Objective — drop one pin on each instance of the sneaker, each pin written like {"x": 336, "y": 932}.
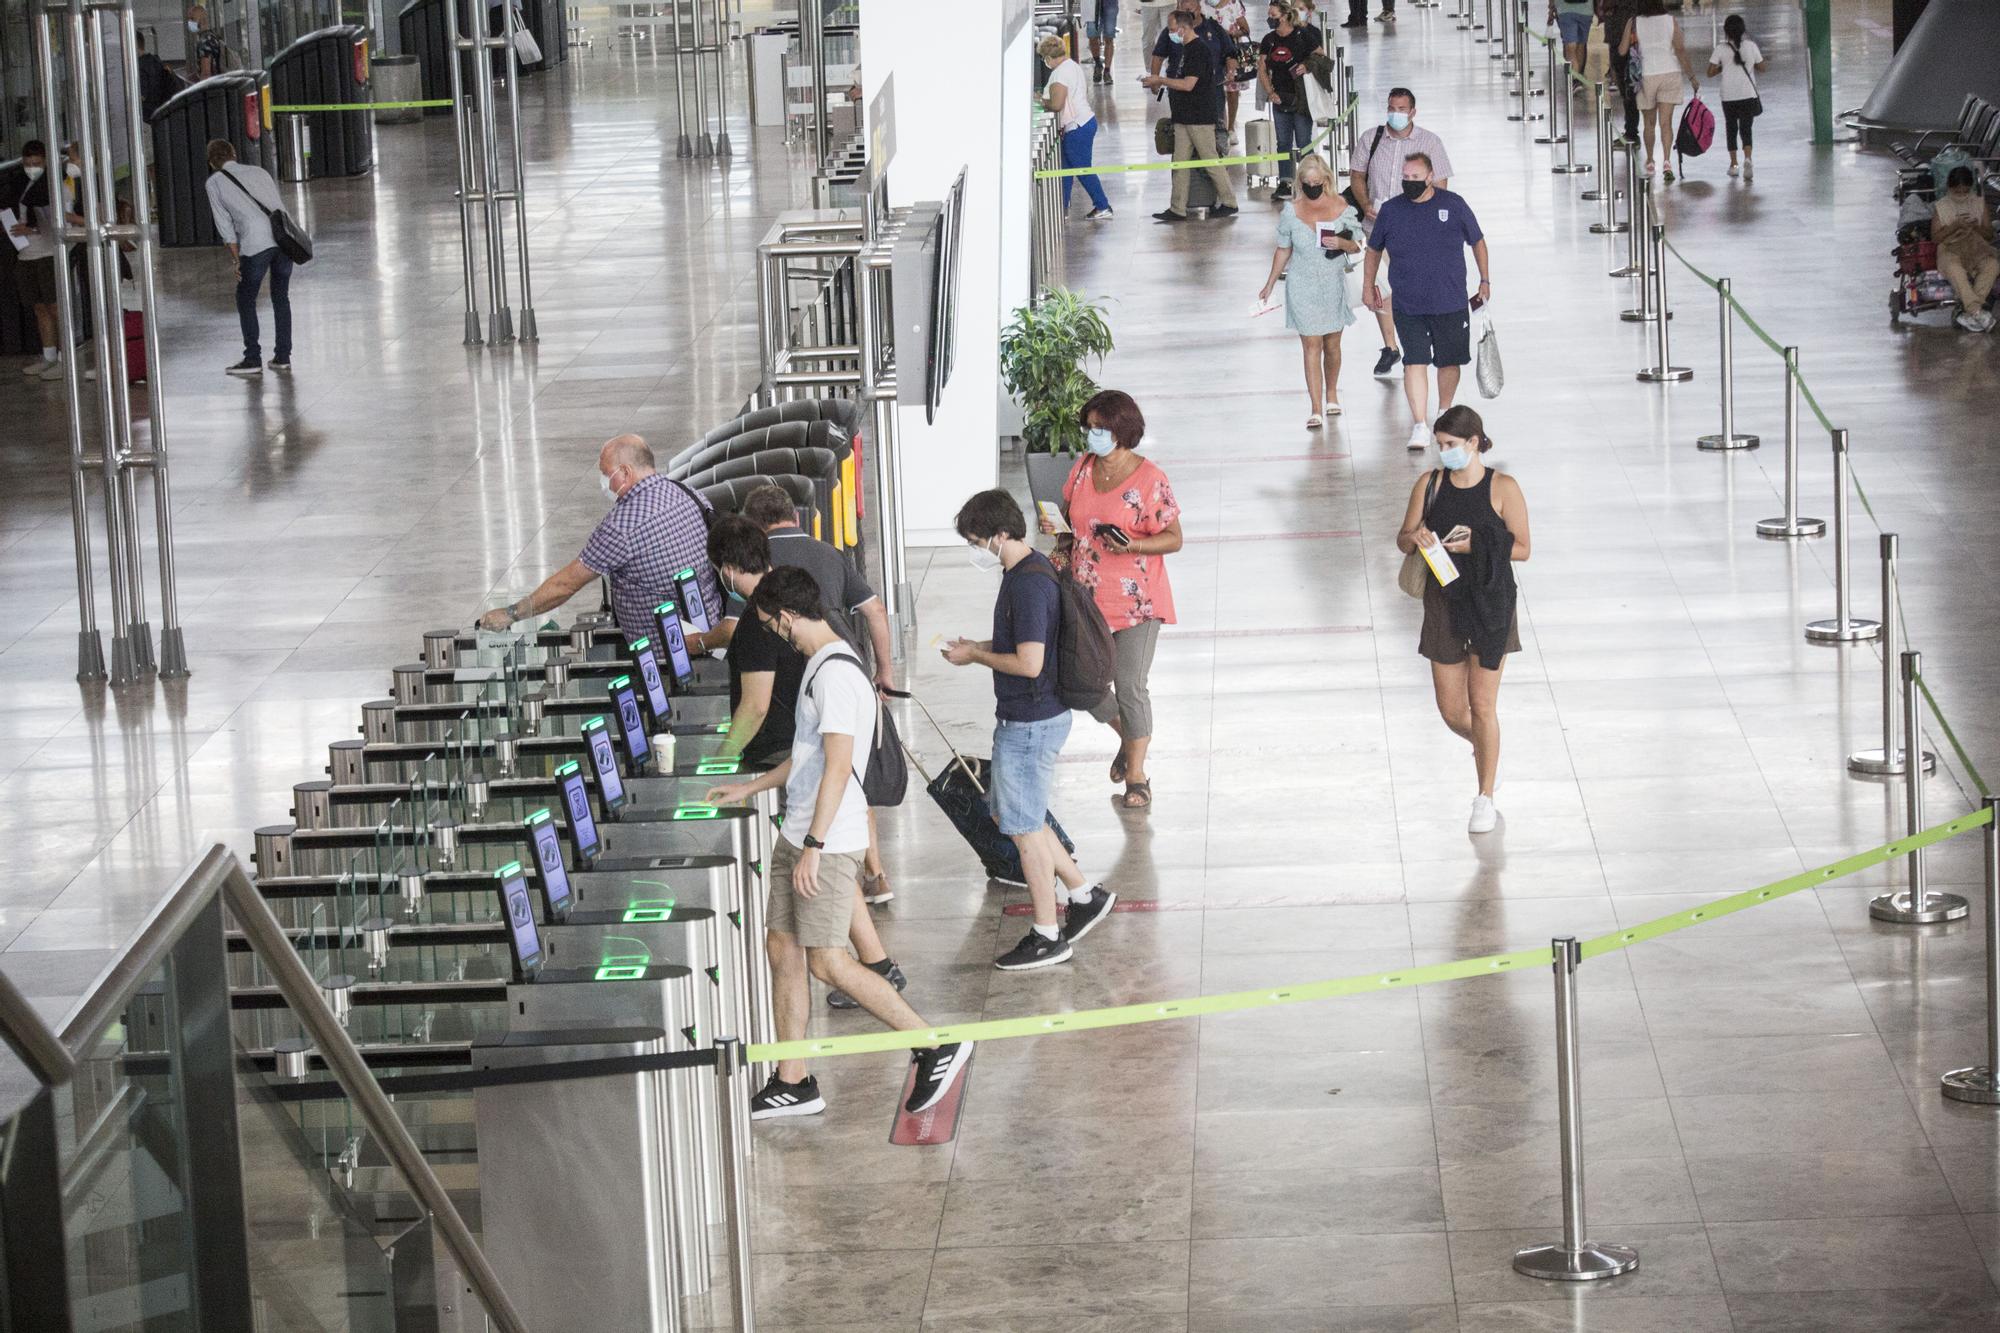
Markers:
{"x": 875, "y": 889}
{"x": 52, "y": 370}
{"x": 1420, "y": 436}
{"x": 937, "y": 1069}
{"x": 1387, "y": 361}
{"x": 246, "y": 368}
{"x": 779, "y": 1099}
{"x": 1970, "y": 323}
{"x": 90, "y": 371}
{"x": 1386, "y": 16}
{"x": 1749, "y": 172}
{"x": 1033, "y": 951}
{"x": 1168, "y": 215}
{"x": 886, "y": 969}
{"x": 1985, "y": 321}
{"x": 1099, "y": 215}
{"x": 34, "y": 367}
{"x": 1732, "y": 168}
{"x": 283, "y": 363}
{"x": 1084, "y": 916}
{"x": 1484, "y": 815}
{"x": 1355, "y": 23}
{"x": 1284, "y": 191}
{"x": 1224, "y": 211}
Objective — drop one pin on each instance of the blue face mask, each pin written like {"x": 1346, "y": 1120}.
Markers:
{"x": 1454, "y": 457}
{"x": 1399, "y": 121}
{"x": 1099, "y": 441}
{"x": 1178, "y": 39}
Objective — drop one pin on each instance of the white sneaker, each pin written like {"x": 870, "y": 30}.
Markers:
{"x": 1970, "y": 323}
{"x": 34, "y": 367}
{"x": 1484, "y": 815}
{"x": 1420, "y": 436}
{"x": 1985, "y": 320}
{"x": 52, "y": 370}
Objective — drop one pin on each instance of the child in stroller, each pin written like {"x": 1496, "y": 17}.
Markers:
{"x": 1946, "y": 257}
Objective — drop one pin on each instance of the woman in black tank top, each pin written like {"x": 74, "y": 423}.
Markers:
{"x": 1480, "y": 518}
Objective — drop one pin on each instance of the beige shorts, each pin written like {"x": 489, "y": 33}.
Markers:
{"x": 821, "y": 921}
{"x": 1660, "y": 90}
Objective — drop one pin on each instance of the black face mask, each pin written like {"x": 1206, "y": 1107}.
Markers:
{"x": 1415, "y": 189}
{"x": 1272, "y": 24}
{"x": 1312, "y": 189}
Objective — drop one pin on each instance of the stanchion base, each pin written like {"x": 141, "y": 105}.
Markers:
{"x": 121, "y": 660}
{"x": 142, "y": 648}
{"x": 1833, "y": 631}
{"x": 1610, "y": 229}
{"x": 529, "y": 331}
{"x": 1552, "y": 138}
{"x": 1719, "y": 442}
{"x": 722, "y": 148}
{"x": 1641, "y": 315}
{"x": 1569, "y": 169}
{"x": 1896, "y": 910}
{"x": 500, "y": 326}
{"x": 1786, "y": 529}
{"x": 1627, "y": 270}
{"x": 1872, "y": 763}
{"x": 89, "y": 655}
{"x": 173, "y": 655}
{"x": 1594, "y": 1261}
{"x": 1664, "y": 375}
{"x": 1978, "y": 1085}
{"x": 686, "y": 148}
{"x": 472, "y": 336}
{"x": 1531, "y": 116}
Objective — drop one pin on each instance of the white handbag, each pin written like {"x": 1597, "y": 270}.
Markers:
{"x": 1486, "y": 363}
{"x": 526, "y": 49}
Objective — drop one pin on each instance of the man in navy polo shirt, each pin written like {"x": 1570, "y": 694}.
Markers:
{"x": 1426, "y": 231}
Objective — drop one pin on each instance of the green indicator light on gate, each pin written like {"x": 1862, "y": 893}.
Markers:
{"x": 618, "y": 681}
{"x": 709, "y": 768}
{"x": 687, "y": 573}
{"x": 620, "y": 972}
{"x": 637, "y": 644}
{"x": 573, "y": 766}
{"x": 650, "y": 911}
{"x": 722, "y": 728}
{"x": 510, "y": 869}
{"x": 687, "y": 812}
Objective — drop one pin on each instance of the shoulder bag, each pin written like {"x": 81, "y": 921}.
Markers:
{"x": 290, "y": 236}
{"x": 1415, "y": 575}
{"x": 1374, "y": 143}
{"x": 887, "y": 775}
{"x": 1486, "y": 363}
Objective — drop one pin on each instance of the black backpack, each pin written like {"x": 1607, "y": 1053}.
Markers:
{"x": 887, "y": 776}
{"x": 1086, "y": 658}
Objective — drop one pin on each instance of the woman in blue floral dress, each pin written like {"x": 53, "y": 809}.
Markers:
{"x": 1316, "y": 233}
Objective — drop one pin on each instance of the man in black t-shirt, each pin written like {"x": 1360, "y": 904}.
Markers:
{"x": 1167, "y": 52}
{"x": 1194, "y": 102}
{"x": 765, "y": 673}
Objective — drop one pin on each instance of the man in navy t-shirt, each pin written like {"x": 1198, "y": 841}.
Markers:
{"x": 1033, "y": 722}
{"x": 1426, "y": 232}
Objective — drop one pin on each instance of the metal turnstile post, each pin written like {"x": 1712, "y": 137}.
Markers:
{"x": 462, "y": 131}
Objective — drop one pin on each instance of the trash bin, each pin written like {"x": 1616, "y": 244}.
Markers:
{"x": 294, "y": 146}
{"x": 397, "y": 79}
{"x": 548, "y": 21}
{"x": 330, "y": 68}
{"x": 228, "y": 106}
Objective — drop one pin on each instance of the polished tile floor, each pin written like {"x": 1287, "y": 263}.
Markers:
{"x": 1762, "y": 1114}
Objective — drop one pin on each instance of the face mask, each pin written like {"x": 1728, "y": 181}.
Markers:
{"x": 984, "y": 560}
{"x": 34, "y": 173}
{"x": 1312, "y": 189}
{"x": 73, "y": 171}
{"x": 604, "y": 484}
{"x": 193, "y": 26}
{"x": 1399, "y": 121}
{"x": 1415, "y": 189}
{"x": 1099, "y": 441}
{"x": 1177, "y": 38}
{"x": 1454, "y": 457}
{"x": 1272, "y": 24}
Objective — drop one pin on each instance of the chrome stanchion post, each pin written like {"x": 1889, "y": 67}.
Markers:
{"x": 722, "y": 147}
{"x": 1888, "y": 761}
{"x": 1981, "y": 1083}
{"x": 732, "y": 1114}
{"x": 1843, "y": 628}
{"x": 1635, "y": 212}
{"x": 462, "y": 135}
{"x": 527, "y": 331}
{"x": 1486, "y": 27}
{"x": 705, "y": 145}
{"x": 1463, "y": 15}
{"x": 686, "y": 146}
{"x": 1575, "y": 1258}
{"x": 499, "y": 315}
{"x": 1664, "y": 371}
{"x": 1727, "y": 438}
{"x": 1640, "y": 214}
{"x": 1606, "y": 188}
{"x": 1917, "y": 906}
{"x": 1790, "y": 524}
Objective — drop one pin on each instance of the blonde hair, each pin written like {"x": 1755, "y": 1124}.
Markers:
{"x": 1315, "y": 165}
{"x": 1053, "y": 48}
{"x": 1286, "y": 13}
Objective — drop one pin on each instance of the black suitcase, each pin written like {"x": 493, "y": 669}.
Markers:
{"x": 960, "y": 791}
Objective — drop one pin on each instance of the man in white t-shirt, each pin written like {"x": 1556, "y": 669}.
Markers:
{"x": 815, "y": 867}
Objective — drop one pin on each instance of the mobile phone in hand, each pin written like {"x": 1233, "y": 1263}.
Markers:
{"x": 1111, "y": 532}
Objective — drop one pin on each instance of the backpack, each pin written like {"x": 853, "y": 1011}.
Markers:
{"x": 1086, "y": 658}
{"x": 887, "y": 775}
{"x": 1697, "y": 129}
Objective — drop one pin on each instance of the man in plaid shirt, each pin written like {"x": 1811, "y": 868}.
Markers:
{"x": 656, "y": 528}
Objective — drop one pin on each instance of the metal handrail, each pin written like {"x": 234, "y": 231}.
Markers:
{"x": 219, "y": 872}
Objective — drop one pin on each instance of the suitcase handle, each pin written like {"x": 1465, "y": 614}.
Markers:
{"x": 957, "y": 758}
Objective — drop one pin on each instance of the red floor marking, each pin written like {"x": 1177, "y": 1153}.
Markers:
{"x": 1275, "y": 536}
{"x": 937, "y": 1125}
{"x": 1264, "y": 633}
{"x": 1184, "y": 464}
{"x": 1122, "y": 905}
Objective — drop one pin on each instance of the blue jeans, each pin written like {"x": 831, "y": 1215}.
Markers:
{"x": 1024, "y": 771}
{"x": 1295, "y": 131}
{"x": 1076, "y": 153}
{"x": 251, "y": 279}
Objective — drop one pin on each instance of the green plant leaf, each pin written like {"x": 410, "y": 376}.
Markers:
{"x": 1043, "y": 350}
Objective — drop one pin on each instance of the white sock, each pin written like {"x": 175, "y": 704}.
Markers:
{"x": 48, "y": 354}
{"x": 1047, "y": 932}
{"x": 1081, "y": 895}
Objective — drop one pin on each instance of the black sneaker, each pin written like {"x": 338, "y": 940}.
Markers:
{"x": 1083, "y": 916}
{"x": 1224, "y": 211}
{"x": 246, "y": 368}
{"x": 283, "y": 363}
{"x": 780, "y": 1098}
{"x": 937, "y": 1069}
{"x": 1099, "y": 214}
{"x": 886, "y": 969}
{"x": 1355, "y": 23}
{"x": 1284, "y": 190}
{"x": 1387, "y": 361}
{"x": 1034, "y": 951}
{"x": 1168, "y": 215}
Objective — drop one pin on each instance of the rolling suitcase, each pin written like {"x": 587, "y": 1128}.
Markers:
{"x": 135, "y": 347}
{"x": 1259, "y": 137}
{"x": 960, "y": 791}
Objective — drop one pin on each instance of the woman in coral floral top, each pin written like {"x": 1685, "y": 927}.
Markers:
{"x": 1125, "y": 520}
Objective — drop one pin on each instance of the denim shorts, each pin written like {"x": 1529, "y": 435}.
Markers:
{"x": 1024, "y": 771}
{"x": 1107, "y": 29}
{"x": 1575, "y": 28}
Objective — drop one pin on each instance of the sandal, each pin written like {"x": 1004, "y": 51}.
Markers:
{"x": 1118, "y": 767}
{"x": 1649, "y": 166}
{"x": 1138, "y": 796}
{"x": 1333, "y": 409}
{"x": 876, "y": 895}
{"x": 1313, "y": 422}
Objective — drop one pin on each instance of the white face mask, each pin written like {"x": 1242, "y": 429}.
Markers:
{"x": 73, "y": 171}
{"x": 985, "y": 560}
{"x": 604, "y": 484}
{"x": 34, "y": 173}
{"x": 193, "y": 26}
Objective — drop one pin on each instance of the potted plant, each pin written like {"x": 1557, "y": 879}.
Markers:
{"x": 1042, "y": 354}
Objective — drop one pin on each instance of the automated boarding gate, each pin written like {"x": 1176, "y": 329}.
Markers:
{"x": 328, "y": 68}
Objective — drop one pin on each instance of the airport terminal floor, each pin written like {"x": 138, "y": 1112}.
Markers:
{"x": 1762, "y": 1113}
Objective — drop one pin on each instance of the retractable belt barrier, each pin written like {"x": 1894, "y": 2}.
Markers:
{"x": 360, "y": 106}
{"x": 1200, "y": 1006}
{"x": 1113, "y": 168}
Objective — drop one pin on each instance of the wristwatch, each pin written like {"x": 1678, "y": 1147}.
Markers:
{"x": 815, "y": 843}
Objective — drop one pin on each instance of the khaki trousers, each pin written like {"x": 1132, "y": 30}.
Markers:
{"x": 1191, "y": 144}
